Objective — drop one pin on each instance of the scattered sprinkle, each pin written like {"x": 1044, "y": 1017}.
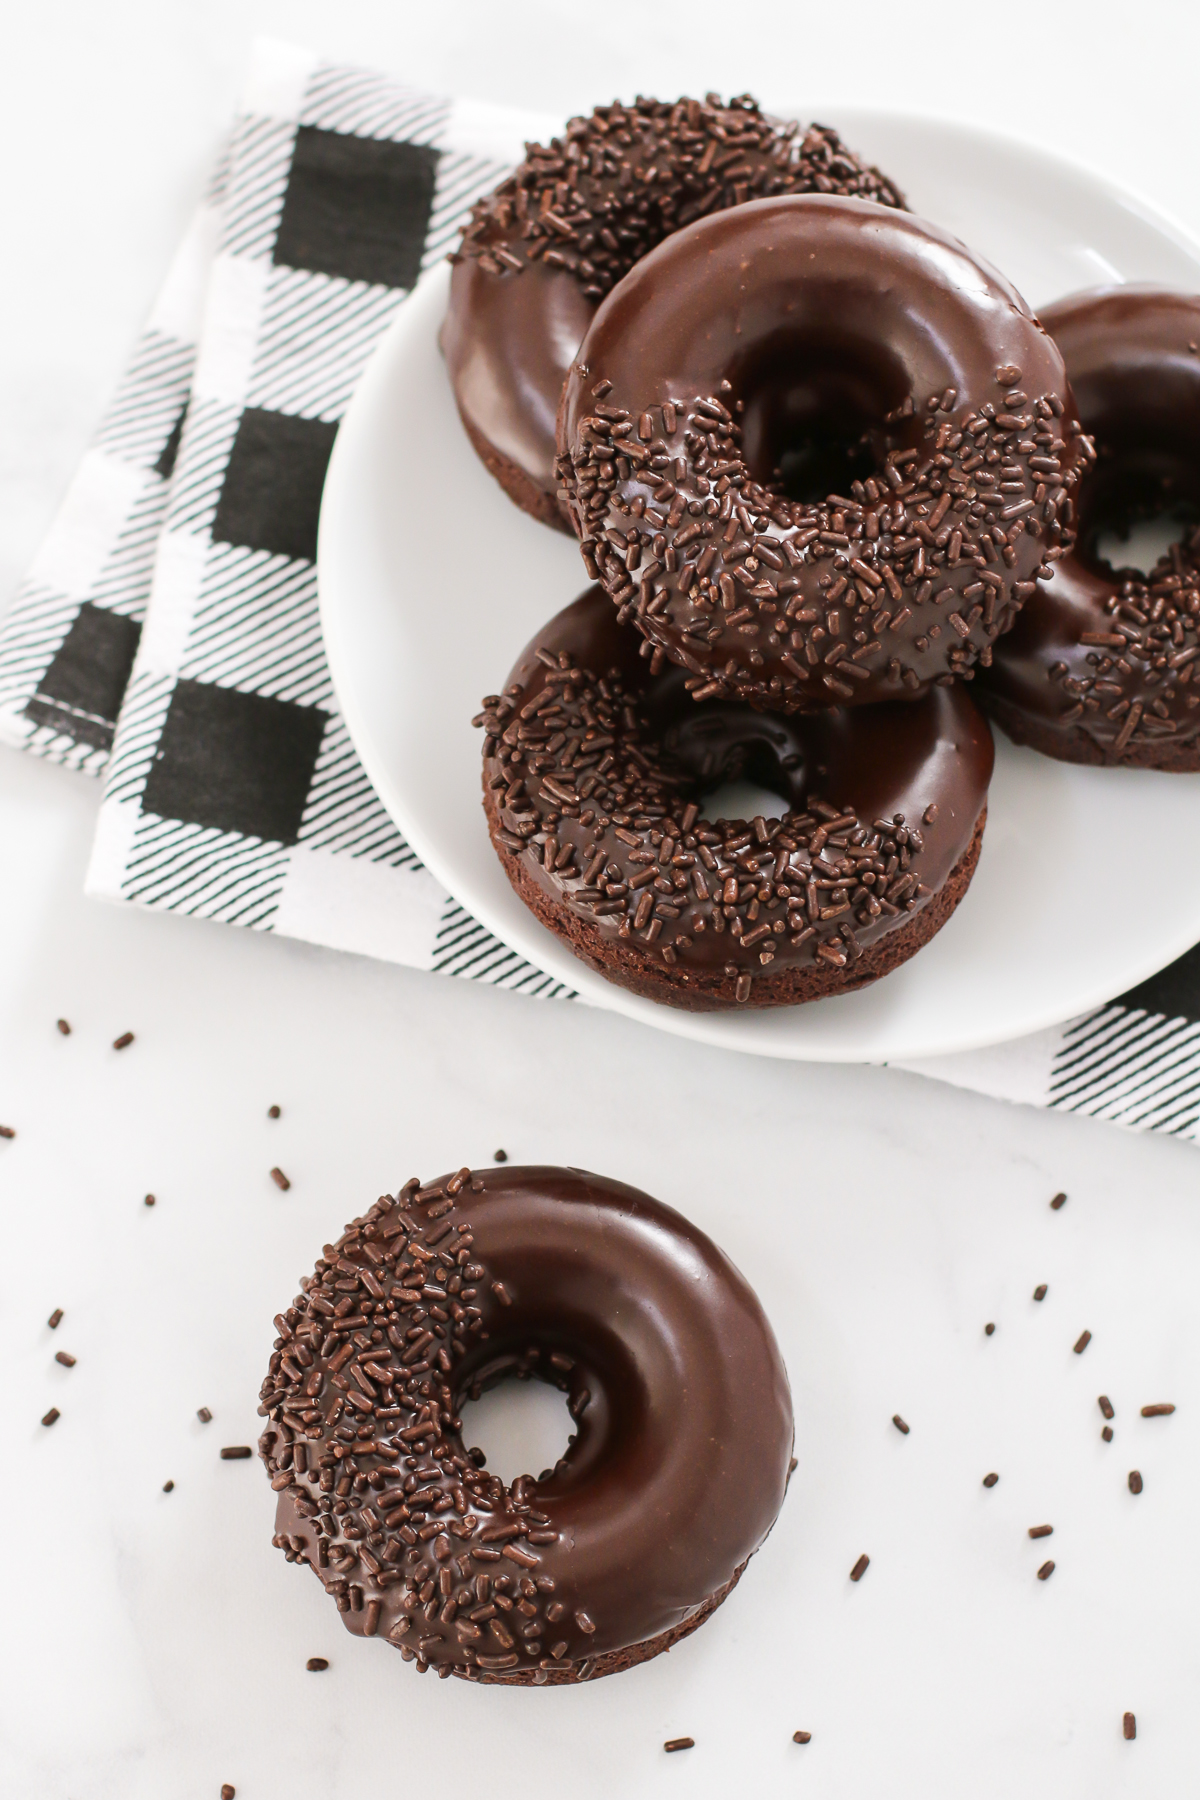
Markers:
{"x": 1105, "y": 1405}
{"x": 1160, "y": 1410}
{"x": 1040, "y": 1292}
{"x": 63, "y": 1027}
{"x": 51, "y": 1416}
{"x": 989, "y": 1329}
{"x": 860, "y": 1568}
{"x": 168, "y": 1487}
{"x": 1107, "y": 1434}
{"x": 150, "y": 1200}
{"x": 316, "y": 1663}
{"x": 898, "y": 1422}
{"x": 1082, "y": 1342}
{"x": 1037, "y": 1531}
{"x": 792, "y": 1467}
{"x": 274, "y": 1112}
{"x": 228, "y": 1791}
{"x": 123, "y": 1042}
{"x": 1059, "y": 1201}
{"x": 65, "y": 1358}
{"x": 802, "y": 1737}
{"x": 499, "y": 1155}
{"x": 991, "y": 1480}
{"x": 1046, "y": 1571}
{"x": 204, "y": 1416}
{"x": 236, "y": 1452}
{"x": 6, "y": 1131}
{"x": 1135, "y": 1481}
{"x": 680, "y": 1744}
{"x": 1129, "y": 1727}
{"x": 55, "y": 1319}
{"x": 280, "y": 1179}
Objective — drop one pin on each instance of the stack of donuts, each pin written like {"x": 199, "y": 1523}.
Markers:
{"x": 825, "y": 469}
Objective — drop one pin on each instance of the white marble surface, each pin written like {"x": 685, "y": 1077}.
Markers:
{"x": 154, "y": 1644}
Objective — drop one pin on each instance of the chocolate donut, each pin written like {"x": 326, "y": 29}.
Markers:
{"x": 842, "y": 336}
{"x": 551, "y": 241}
{"x": 671, "y": 1480}
{"x": 594, "y": 771}
{"x": 1101, "y": 666}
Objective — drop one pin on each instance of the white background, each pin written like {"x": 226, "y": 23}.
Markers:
{"x": 154, "y": 1645}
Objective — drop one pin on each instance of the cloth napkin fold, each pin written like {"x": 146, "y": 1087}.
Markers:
{"x": 167, "y": 636}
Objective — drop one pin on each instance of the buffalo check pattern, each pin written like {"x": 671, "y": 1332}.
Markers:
{"x": 167, "y": 636}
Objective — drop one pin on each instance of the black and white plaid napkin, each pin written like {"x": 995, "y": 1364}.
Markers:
{"x": 176, "y": 595}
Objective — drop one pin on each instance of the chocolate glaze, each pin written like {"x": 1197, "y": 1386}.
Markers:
{"x": 921, "y": 769}
{"x": 796, "y": 314}
{"x": 1133, "y": 359}
{"x": 524, "y": 291}
{"x": 674, "y": 1475}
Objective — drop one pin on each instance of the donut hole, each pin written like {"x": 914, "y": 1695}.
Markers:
{"x": 1138, "y": 504}
{"x": 743, "y": 764}
{"x": 814, "y": 413}
{"x": 520, "y": 1426}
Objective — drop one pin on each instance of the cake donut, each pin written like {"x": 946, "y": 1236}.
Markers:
{"x": 594, "y": 772}
{"x": 671, "y": 1479}
{"x": 1101, "y": 666}
{"x": 548, "y": 244}
{"x": 873, "y": 344}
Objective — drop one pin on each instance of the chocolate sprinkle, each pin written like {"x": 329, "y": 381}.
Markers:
{"x": 55, "y": 1319}
{"x": 123, "y": 1042}
{"x": 1106, "y": 1406}
{"x": 1135, "y": 1481}
{"x": 236, "y": 1452}
{"x": 860, "y": 1568}
{"x": 280, "y": 1179}
{"x": 1046, "y": 1571}
{"x": 680, "y": 1744}
{"x": 1081, "y": 1343}
{"x": 168, "y": 1487}
{"x": 6, "y": 1131}
{"x": 989, "y": 1330}
{"x": 65, "y": 1358}
{"x": 316, "y": 1663}
{"x": 149, "y": 1200}
{"x": 1041, "y": 1531}
{"x": 204, "y": 1416}
{"x": 1040, "y": 1292}
{"x": 1129, "y": 1726}
{"x": 274, "y": 1112}
{"x": 990, "y": 1481}
{"x": 898, "y": 1422}
{"x": 500, "y": 1156}
{"x": 1059, "y": 1200}
{"x": 1161, "y": 1409}
{"x": 1107, "y": 1434}
{"x": 63, "y": 1027}
{"x": 802, "y": 1737}
{"x": 50, "y": 1417}
{"x": 228, "y": 1791}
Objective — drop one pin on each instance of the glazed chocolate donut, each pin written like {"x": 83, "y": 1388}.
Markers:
{"x": 552, "y": 240}
{"x": 1102, "y": 664}
{"x": 670, "y": 1482}
{"x": 594, "y": 771}
{"x": 777, "y": 324}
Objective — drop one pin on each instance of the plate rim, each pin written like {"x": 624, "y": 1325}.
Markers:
{"x": 539, "y": 946}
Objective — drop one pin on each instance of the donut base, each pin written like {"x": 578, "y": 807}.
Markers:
{"x": 520, "y": 488}
{"x": 613, "y": 1662}
{"x": 713, "y": 990}
{"x": 1078, "y": 746}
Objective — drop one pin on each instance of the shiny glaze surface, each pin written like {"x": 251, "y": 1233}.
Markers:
{"x": 524, "y": 291}
{"x": 1133, "y": 359}
{"x": 679, "y": 1460}
{"x": 927, "y": 761}
{"x": 740, "y": 329}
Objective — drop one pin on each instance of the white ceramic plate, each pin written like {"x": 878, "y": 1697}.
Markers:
{"x": 1060, "y": 916}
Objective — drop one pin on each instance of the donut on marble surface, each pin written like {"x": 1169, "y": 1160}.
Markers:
{"x": 888, "y": 352}
{"x": 671, "y": 1480}
{"x": 556, "y": 236}
{"x": 1102, "y": 665}
{"x": 594, "y": 773}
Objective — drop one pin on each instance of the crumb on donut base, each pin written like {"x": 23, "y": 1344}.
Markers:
{"x": 1074, "y": 745}
{"x": 520, "y": 488}
{"x": 713, "y": 990}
